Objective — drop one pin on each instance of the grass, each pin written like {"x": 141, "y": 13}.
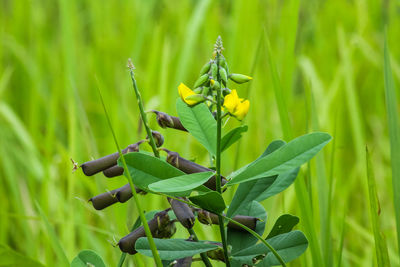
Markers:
{"x": 321, "y": 67}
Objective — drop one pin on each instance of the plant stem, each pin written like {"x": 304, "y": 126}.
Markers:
{"x": 276, "y": 254}
{"x": 203, "y": 255}
{"x": 141, "y": 213}
{"x": 142, "y": 112}
{"x": 218, "y": 164}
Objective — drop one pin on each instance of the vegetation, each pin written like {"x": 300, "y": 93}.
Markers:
{"x": 317, "y": 66}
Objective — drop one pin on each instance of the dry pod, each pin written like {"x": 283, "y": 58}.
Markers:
{"x": 106, "y": 199}
{"x": 159, "y": 221}
{"x": 158, "y": 138}
{"x": 208, "y": 218}
{"x": 92, "y": 167}
{"x": 168, "y": 121}
{"x": 189, "y": 167}
{"x": 183, "y": 213}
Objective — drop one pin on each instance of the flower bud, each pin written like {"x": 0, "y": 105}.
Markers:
{"x": 168, "y": 121}
{"x": 240, "y": 78}
{"x": 214, "y": 71}
{"x": 205, "y": 91}
{"x": 158, "y": 138}
{"x": 224, "y": 64}
{"x": 206, "y": 68}
{"x": 216, "y": 85}
{"x": 183, "y": 213}
{"x": 196, "y": 98}
{"x": 201, "y": 81}
{"x": 198, "y": 90}
{"x": 223, "y": 75}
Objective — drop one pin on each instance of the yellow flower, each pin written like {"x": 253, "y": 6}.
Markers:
{"x": 184, "y": 92}
{"x": 236, "y": 106}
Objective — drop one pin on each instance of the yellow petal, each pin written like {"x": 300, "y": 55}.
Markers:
{"x": 231, "y": 101}
{"x": 184, "y": 92}
{"x": 241, "y": 110}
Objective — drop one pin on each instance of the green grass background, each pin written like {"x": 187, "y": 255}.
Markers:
{"x": 317, "y": 65}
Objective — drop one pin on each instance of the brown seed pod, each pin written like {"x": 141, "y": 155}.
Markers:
{"x": 183, "y": 213}
{"x": 159, "y": 221}
{"x": 92, "y": 167}
{"x": 168, "y": 121}
{"x": 188, "y": 167}
{"x": 158, "y": 138}
{"x": 208, "y": 218}
{"x": 106, "y": 199}
{"x": 113, "y": 171}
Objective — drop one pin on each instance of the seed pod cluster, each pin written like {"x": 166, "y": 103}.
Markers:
{"x": 95, "y": 166}
{"x": 106, "y": 199}
{"x": 160, "y": 226}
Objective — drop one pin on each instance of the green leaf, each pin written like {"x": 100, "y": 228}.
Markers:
{"x": 10, "y": 257}
{"x": 211, "y": 201}
{"x": 231, "y": 137}
{"x": 284, "y": 224}
{"x": 240, "y": 240}
{"x": 289, "y": 246}
{"x": 172, "y": 249}
{"x": 263, "y": 188}
{"x": 284, "y": 159}
{"x": 394, "y": 134}
{"x": 181, "y": 183}
{"x": 87, "y": 258}
{"x": 200, "y": 123}
{"x": 145, "y": 169}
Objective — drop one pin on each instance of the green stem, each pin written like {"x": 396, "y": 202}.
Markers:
{"x": 276, "y": 254}
{"x": 142, "y": 112}
{"x": 203, "y": 255}
{"x": 218, "y": 164}
{"x": 141, "y": 213}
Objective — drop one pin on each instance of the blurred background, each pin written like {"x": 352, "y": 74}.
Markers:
{"x": 317, "y": 65}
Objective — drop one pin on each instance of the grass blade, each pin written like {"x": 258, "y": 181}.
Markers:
{"x": 382, "y": 255}
{"x": 58, "y": 249}
{"x": 394, "y": 134}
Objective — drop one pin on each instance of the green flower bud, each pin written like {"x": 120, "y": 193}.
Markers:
{"x": 223, "y": 75}
{"x": 222, "y": 63}
{"x": 206, "y": 68}
{"x": 240, "y": 78}
{"x": 198, "y": 90}
{"x": 216, "y": 85}
{"x": 201, "y": 81}
{"x": 197, "y": 98}
{"x": 206, "y": 90}
{"x": 214, "y": 71}
{"x": 226, "y": 91}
